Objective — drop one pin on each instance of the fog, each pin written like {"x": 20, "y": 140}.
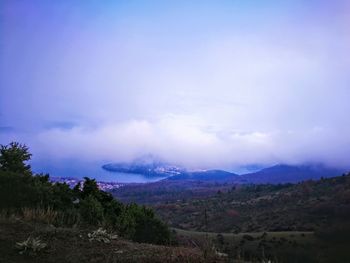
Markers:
{"x": 203, "y": 84}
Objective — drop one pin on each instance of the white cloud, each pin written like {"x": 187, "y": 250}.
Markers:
{"x": 245, "y": 84}
{"x": 178, "y": 140}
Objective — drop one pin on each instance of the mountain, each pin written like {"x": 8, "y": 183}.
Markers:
{"x": 283, "y": 173}
{"x": 152, "y": 166}
{"x": 277, "y": 174}
{"x": 208, "y": 175}
{"x": 147, "y": 165}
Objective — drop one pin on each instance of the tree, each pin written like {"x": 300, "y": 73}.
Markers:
{"x": 90, "y": 188}
{"x": 13, "y": 158}
{"x": 20, "y": 188}
{"x": 91, "y": 210}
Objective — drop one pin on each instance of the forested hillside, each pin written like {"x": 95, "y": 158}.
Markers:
{"x": 306, "y": 206}
{"x": 42, "y": 221}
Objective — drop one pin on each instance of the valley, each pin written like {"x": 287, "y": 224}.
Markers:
{"x": 307, "y": 220}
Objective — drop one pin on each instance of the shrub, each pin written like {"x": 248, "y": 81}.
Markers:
{"x": 101, "y": 235}
{"x": 143, "y": 226}
{"x": 35, "y": 198}
{"x": 30, "y": 246}
{"x": 91, "y": 210}
{"x": 47, "y": 215}
{"x": 16, "y": 191}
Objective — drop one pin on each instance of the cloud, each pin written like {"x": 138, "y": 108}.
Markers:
{"x": 216, "y": 86}
{"x": 179, "y": 140}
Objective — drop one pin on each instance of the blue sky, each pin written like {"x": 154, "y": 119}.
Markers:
{"x": 205, "y": 84}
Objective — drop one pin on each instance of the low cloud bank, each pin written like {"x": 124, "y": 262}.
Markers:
{"x": 177, "y": 140}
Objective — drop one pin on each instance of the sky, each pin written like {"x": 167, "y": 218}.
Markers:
{"x": 202, "y": 84}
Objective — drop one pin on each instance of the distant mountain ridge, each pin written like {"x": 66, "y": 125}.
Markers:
{"x": 152, "y": 166}
{"x": 283, "y": 173}
{"x": 207, "y": 175}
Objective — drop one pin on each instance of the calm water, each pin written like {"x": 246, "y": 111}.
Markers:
{"x": 92, "y": 170}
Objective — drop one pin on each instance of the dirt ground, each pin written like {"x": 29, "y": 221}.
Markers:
{"x": 72, "y": 245}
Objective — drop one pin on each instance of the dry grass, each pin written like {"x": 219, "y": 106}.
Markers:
{"x": 69, "y": 218}
{"x": 47, "y": 216}
{"x": 73, "y": 245}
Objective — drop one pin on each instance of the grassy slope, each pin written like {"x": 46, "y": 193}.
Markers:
{"x": 304, "y": 207}
{"x": 167, "y": 190}
{"x": 322, "y": 206}
{"x": 72, "y": 245}
{"x": 288, "y": 247}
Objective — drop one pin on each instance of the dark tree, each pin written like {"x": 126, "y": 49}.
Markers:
{"x": 13, "y": 158}
{"x": 86, "y": 205}
{"x": 90, "y": 188}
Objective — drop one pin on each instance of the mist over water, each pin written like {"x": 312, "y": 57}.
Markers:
{"x": 91, "y": 170}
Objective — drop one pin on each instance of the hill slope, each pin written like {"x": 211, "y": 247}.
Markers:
{"x": 72, "y": 245}
{"x": 291, "y": 174}
{"x": 305, "y": 206}
{"x": 206, "y": 176}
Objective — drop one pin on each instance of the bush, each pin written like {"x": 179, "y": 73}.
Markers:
{"x": 17, "y": 191}
{"x": 151, "y": 230}
{"x": 101, "y": 235}
{"x": 30, "y": 246}
{"x": 141, "y": 225}
{"x": 47, "y": 216}
{"x": 36, "y": 198}
{"x": 91, "y": 211}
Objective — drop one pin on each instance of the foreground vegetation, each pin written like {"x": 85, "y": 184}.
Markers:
{"x": 73, "y": 245}
{"x": 259, "y": 246}
{"x": 45, "y": 222}
{"x": 84, "y": 205}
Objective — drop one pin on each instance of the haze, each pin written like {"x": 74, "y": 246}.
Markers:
{"x": 203, "y": 84}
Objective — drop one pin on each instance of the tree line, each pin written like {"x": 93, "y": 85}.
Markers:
{"x": 85, "y": 205}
